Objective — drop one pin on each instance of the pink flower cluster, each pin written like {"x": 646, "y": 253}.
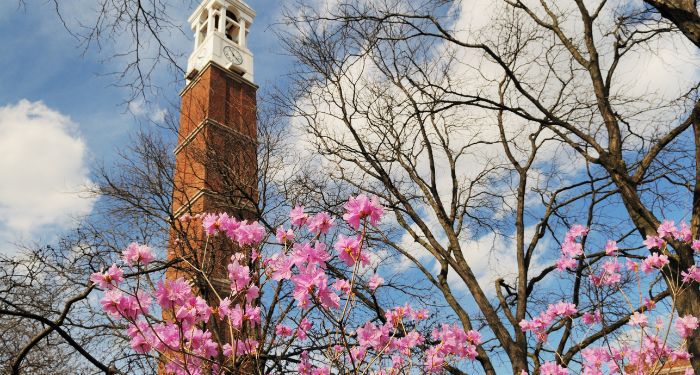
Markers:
{"x": 635, "y": 359}
{"x": 610, "y": 274}
{"x": 570, "y": 249}
{"x": 652, "y": 351}
{"x": 136, "y": 254}
{"x": 187, "y": 347}
{"x": 362, "y": 207}
{"x": 539, "y": 325}
{"x": 109, "y": 279}
{"x": 686, "y": 325}
{"x": 452, "y": 340}
{"x": 181, "y": 338}
{"x": 242, "y": 232}
{"x": 668, "y": 231}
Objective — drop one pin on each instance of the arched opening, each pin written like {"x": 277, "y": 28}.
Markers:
{"x": 232, "y": 27}
{"x": 202, "y": 27}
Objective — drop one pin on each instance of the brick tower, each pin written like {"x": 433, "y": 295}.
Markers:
{"x": 216, "y": 166}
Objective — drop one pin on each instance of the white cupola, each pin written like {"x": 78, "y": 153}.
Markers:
{"x": 220, "y": 35}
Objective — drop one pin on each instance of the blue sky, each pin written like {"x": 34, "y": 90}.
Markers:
{"x": 61, "y": 114}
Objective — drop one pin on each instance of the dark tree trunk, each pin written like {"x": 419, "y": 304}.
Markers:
{"x": 683, "y": 13}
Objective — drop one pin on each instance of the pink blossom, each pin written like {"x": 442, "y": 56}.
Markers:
{"x": 610, "y": 274}
{"x": 679, "y": 355}
{"x": 370, "y": 335}
{"x": 434, "y": 360}
{"x": 173, "y": 293}
{"x": 139, "y": 344}
{"x": 360, "y": 207}
{"x": 410, "y": 341}
{"x": 349, "y": 250}
{"x": 610, "y": 247}
{"x": 110, "y": 302}
{"x": 252, "y": 314}
{"x": 577, "y": 230}
{"x": 696, "y": 245}
{"x": 632, "y": 265}
{"x": 693, "y": 274}
{"x": 654, "y": 261}
{"x": 304, "y": 367}
{"x": 594, "y": 358}
{"x": 297, "y": 216}
{"x": 590, "y": 319}
{"x": 667, "y": 229}
{"x": 202, "y": 309}
{"x": 395, "y": 316}
{"x": 229, "y": 225}
{"x": 638, "y": 319}
{"x": 571, "y": 248}
{"x": 118, "y": 304}
{"x": 168, "y": 336}
{"x": 252, "y": 293}
{"x": 239, "y": 276}
{"x": 684, "y": 234}
{"x": 342, "y": 285}
{"x": 686, "y": 325}
{"x": 305, "y": 254}
{"x": 563, "y": 309}
{"x": 455, "y": 341}
{"x": 284, "y": 236}
{"x": 419, "y": 315}
{"x": 212, "y": 223}
{"x": 539, "y": 324}
{"x": 566, "y": 263}
{"x": 652, "y": 242}
{"x": 224, "y": 308}
{"x": 327, "y": 297}
{"x": 235, "y": 314}
{"x": 320, "y": 223}
{"x": 137, "y": 254}
{"x": 649, "y": 303}
{"x": 303, "y": 329}
{"x": 282, "y": 330}
{"x": 306, "y": 282}
{"x": 280, "y": 266}
{"x": 109, "y": 279}
{"x": 248, "y": 233}
{"x": 374, "y": 282}
{"x": 551, "y": 368}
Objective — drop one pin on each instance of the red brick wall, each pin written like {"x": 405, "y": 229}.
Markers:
{"x": 215, "y": 165}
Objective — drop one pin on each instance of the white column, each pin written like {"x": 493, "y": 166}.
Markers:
{"x": 222, "y": 20}
{"x": 210, "y": 21}
{"x": 196, "y": 35}
{"x": 241, "y": 33}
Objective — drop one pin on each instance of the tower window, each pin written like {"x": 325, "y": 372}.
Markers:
{"x": 232, "y": 27}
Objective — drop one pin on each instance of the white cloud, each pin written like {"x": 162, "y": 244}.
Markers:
{"x": 153, "y": 112}
{"x": 43, "y": 170}
{"x": 660, "y": 72}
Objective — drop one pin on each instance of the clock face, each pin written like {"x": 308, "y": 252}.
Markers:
{"x": 233, "y": 55}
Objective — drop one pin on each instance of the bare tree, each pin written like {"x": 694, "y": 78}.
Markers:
{"x": 516, "y": 127}
{"x": 467, "y": 133}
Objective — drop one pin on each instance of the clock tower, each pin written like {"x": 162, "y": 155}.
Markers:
{"x": 220, "y": 35}
{"x": 215, "y": 156}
